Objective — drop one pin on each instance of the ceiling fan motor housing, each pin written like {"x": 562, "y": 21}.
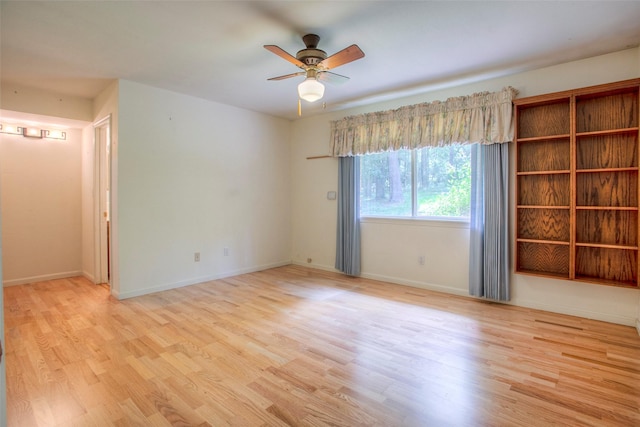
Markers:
{"x": 311, "y": 57}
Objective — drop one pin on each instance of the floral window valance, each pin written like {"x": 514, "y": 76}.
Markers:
{"x": 485, "y": 118}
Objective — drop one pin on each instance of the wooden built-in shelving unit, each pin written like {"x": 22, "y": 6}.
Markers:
{"x": 577, "y": 184}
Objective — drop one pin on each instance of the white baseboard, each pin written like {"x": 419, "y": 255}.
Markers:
{"x": 416, "y": 284}
{"x": 316, "y": 266}
{"x": 194, "y": 281}
{"x": 389, "y": 279}
{"x": 42, "y": 278}
{"x": 587, "y": 314}
{"x": 89, "y": 277}
{"x": 546, "y": 306}
{"x": 573, "y": 311}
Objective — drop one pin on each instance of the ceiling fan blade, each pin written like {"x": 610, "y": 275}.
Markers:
{"x": 345, "y": 56}
{"x": 329, "y": 77}
{"x": 288, "y": 76}
{"x": 283, "y": 54}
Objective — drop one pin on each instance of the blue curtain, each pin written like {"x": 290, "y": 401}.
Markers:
{"x": 489, "y": 223}
{"x": 348, "y": 239}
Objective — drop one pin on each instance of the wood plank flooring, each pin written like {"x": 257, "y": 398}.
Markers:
{"x": 301, "y": 347}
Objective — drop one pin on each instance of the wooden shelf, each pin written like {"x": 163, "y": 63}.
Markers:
{"x": 545, "y": 119}
{"x": 604, "y": 188}
{"x": 542, "y": 274}
{"x": 544, "y": 138}
{"x": 617, "y": 228}
{"x": 607, "y": 132}
{"x": 594, "y": 245}
{"x": 631, "y": 169}
{"x": 545, "y": 155}
{"x": 550, "y": 242}
{"x": 607, "y": 208}
{"x": 609, "y": 264}
{"x": 607, "y": 151}
{"x": 577, "y": 189}
{"x": 544, "y": 172}
{"x": 543, "y": 258}
{"x": 612, "y": 111}
{"x": 541, "y": 207}
{"x": 544, "y": 190}
{"x": 543, "y": 225}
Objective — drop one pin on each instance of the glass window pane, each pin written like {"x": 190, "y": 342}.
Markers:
{"x": 385, "y": 184}
{"x": 443, "y": 181}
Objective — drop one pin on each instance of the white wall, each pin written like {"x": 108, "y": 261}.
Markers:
{"x": 197, "y": 176}
{"x": 36, "y": 101}
{"x": 391, "y": 248}
{"x": 40, "y": 205}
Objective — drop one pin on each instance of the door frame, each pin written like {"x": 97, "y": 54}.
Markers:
{"x": 3, "y": 374}
{"x": 103, "y": 247}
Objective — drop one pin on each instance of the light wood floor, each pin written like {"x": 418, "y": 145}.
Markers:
{"x": 301, "y": 347}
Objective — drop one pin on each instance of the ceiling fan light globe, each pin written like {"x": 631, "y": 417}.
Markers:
{"x": 311, "y": 90}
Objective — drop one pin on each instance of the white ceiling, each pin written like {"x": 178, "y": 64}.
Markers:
{"x": 213, "y": 49}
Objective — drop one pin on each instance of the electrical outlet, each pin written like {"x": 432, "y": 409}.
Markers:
{"x": 421, "y": 260}
{"x": 225, "y": 251}
{"x": 309, "y": 260}
{"x": 196, "y": 257}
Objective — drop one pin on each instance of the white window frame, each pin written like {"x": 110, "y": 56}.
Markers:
{"x": 462, "y": 220}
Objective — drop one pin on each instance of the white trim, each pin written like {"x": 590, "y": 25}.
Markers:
{"x": 572, "y": 311}
{"x": 393, "y": 280}
{"x": 417, "y": 222}
{"x": 98, "y": 273}
{"x": 42, "y": 278}
{"x": 89, "y": 276}
{"x": 194, "y": 281}
{"x": 415, "y": 284}
{"x": 316, "y": 266}
{"x": 106, "y": 119}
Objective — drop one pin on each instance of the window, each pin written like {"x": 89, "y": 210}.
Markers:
{"x": 425, "y": 182}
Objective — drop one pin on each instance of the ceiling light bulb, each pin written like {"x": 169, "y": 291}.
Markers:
{"x": 32, "y": 132}
{"x": 310, "y": 89}
{"x": 55, "y": 134}
{"x": 15, "y": 130}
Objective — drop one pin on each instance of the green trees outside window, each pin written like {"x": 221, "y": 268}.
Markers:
{"x": 426, "y": 182}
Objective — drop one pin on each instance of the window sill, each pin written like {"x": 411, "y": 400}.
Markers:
{"x": 420, "y": 222}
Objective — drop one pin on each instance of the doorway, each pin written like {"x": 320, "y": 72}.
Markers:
{"x": 102, "y": 200}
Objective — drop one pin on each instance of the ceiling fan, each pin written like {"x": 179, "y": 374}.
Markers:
{"x": 316, "y": 65}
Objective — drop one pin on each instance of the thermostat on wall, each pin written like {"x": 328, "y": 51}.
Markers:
{"x": 331, "y": 195}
